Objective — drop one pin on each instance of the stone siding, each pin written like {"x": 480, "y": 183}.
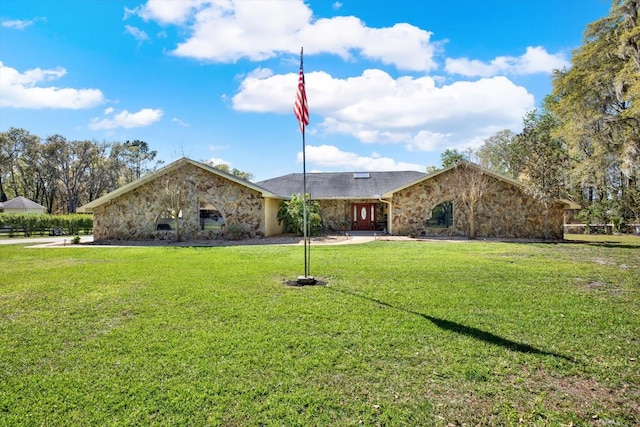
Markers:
{"x": 133, "y": 215}
{"x": 505, "y": 210}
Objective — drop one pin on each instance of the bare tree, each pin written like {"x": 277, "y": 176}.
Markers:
{"x": 472, "y": 184}
{"x": 177, "y": 197}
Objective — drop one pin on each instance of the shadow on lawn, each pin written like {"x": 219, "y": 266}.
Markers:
{"x": 469, "y": 331}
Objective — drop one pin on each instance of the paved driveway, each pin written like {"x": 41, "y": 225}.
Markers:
{"x": 43, "y": 240}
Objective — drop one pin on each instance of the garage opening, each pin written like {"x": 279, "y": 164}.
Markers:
{"x": 210, "y": 218}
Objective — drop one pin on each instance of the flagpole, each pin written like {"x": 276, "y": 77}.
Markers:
{"x": 304, "y": 183}
{"x": 301, "y": 111}
{"x": 304, "y": 201}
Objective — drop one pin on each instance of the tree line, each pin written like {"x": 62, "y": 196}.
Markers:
{"x": 584, "y": 143}
{"x": 63, "y": 174}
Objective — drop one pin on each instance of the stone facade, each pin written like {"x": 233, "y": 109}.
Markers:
{"x": 133, "y": 211}
{"x": 133, "y": 215}
{"x": 505, "y": 210}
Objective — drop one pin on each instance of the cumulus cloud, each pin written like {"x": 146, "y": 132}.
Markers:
{"x": 378, "y": 108}
{"x": 534, "y": 60}
{"x": 166, "y": 11}
{"x": 125, "y": 119}
{"x": 228, "y": 31}
{"x": 22, "y": 90}
{"x": 330, "y": 156}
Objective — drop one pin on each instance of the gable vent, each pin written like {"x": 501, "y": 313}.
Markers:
{"x": 361, "y": 175}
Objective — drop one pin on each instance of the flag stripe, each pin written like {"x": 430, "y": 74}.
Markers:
{"x": 300, "y": 107}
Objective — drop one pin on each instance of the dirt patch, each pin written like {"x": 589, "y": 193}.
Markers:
{"x": 535, "y": 393}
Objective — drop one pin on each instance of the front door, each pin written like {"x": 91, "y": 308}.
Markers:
{"x": 363, "y": 216}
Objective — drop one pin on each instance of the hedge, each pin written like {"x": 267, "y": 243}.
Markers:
{"x": 44, "y": 224}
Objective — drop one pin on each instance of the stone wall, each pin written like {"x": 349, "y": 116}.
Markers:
{"x": 505, "y": 210}
{"x": 133, "y": 215}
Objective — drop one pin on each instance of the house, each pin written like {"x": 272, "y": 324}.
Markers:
{"x": 21, "y": 205}
{"x": 455, "y": 201}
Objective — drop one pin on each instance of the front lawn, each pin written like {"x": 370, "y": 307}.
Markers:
{"x": 404, "y": 333}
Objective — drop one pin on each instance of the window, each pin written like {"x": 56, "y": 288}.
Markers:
{"x": 210, "y": 217}
{"x": 166, "y": 221}
{"x": 442, "y": 215}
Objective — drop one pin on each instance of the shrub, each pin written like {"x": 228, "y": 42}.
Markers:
{"x": 41, "y": 223}
{"x": 291, "y": 214}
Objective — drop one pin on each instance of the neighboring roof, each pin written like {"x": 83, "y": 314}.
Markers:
{"x": 162, "y": 171}
{"x": 341, "y": 185}
{"x": 21, "y": 203}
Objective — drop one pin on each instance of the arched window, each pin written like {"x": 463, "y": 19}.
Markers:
{"x": 166, "y": 221}
{"x": 442, "y": 215}
{"x": 210, "y": 218}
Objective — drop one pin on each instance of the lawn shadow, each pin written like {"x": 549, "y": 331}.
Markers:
{"x": 469, "y": 331}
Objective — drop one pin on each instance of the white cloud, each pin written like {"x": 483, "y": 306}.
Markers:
{"x": 215, "y": 161}
{"x": 137, "y": 33}
{"x": 336, "y": 5}
{"x": 20, "y": 90}
{"x": 226, "y": 31}
{"x": 19, "y": 24}
{"x": 377, "y": 108}
{"x": 180, "y": 122}
{"x": 166, "y": 11}
{"x": 534, "y": 60}
{"x": 125, "y": 119}
{"x": 331, "y": 157}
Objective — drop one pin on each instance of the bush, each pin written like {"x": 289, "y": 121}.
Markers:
{"x": 234, "y": 232}
{"x": 291, "y": 214}
{"x": 29, "y": 224}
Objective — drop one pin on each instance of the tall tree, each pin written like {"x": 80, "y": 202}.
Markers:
{"x": 451, "y": 156}
{"x": 598, "y": 104}
{"x": 544, "y": 160}
{"x": 72, "y": 160}
{"x": 136, "y": 156}
{"x": 17, "y": 148}
{"x": 499, "y": 154}
{"x": 472, "y": 184}
{"x": 247, "y": 176}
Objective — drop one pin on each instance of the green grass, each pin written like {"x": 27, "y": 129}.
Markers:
{"x": 404, "y": 333}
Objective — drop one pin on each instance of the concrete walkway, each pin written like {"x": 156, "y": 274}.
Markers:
{"x": 51, "y": 240}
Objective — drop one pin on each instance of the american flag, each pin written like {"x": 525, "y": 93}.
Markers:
{"x": 300, "y": 107}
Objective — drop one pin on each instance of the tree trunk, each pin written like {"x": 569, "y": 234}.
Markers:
{"x": 472, "y": 221}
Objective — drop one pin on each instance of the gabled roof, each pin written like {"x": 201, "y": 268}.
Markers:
{"x": 21, "y": 203}
{"x": 162, "y": 171}
{"x": 341, "y": 185}
{"x": 568, "y": 203}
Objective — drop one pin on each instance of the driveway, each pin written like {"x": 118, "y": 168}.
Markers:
{"x": 56, "y": 240}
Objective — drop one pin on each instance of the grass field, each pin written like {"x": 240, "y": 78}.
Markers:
{"x": 403, "y": 333}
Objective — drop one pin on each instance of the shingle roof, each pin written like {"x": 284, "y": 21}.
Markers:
{"x": 21, "y": 203}
{"x": 341, "y": 185}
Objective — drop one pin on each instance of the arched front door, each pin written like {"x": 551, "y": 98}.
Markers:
{"x": 363, "y": 216}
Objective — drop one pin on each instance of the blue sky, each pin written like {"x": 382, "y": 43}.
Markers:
{"x": 390, "y": 84}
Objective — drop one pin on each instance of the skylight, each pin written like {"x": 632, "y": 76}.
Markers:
{"x": 361, "y": 175}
